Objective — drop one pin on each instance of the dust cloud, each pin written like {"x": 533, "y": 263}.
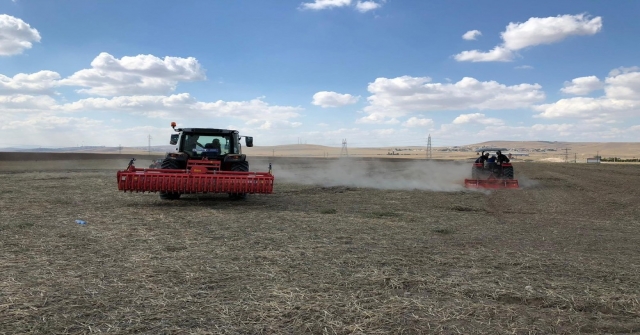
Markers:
{"x": 398, "y": 175}
{"x": 525, "y": 182}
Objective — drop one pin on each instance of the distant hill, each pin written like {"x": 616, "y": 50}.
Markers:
{"x": 546, "y": 148}
{"x": 629, "y": 149}
{"x": 93, "y": 149}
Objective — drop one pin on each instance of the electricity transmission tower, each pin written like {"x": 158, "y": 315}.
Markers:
{"x": 566, "y": 154}
{"x": 344, "y": 151}
{"x": 119, "y": 148}
{"x": 149, "y": 144}
{"x": 429, "y": 147}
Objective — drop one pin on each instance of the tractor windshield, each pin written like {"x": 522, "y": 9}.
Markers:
{"x": 205, "y": 145}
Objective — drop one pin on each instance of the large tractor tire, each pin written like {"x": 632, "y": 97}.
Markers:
{"x": 474, "y": 173}
{"x": 507, "y": 172}
{"x": 168, "y": 163}
{"x": 239, "y": 167}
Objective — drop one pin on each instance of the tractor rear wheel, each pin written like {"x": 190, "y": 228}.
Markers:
{"x": 239, "y": 167}
{"x": 474, "y": 173}
{"x": 168, "y": 163}
{"x": 507, "y": 172}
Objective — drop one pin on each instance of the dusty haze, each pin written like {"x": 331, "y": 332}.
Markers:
{"x": 401, "y": 175}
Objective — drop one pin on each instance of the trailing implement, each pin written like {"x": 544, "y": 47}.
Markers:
{"x": 207, "y": 161}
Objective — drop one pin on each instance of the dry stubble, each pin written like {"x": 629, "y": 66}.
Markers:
{"x": 560, "y": 256}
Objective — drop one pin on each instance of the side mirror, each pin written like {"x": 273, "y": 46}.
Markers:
{"x": 174, "y": 139}
{"x": 248, "y": 140}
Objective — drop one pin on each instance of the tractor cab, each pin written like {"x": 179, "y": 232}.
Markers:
{"x": 208, "y": 145}
{"x": 200, "y": 143}
{"x": 211, "y": 144}
{"x": 221, "y": 147}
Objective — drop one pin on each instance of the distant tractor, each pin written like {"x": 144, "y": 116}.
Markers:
{"x": 207, "y": 160}
{"x": 491, "y": 174}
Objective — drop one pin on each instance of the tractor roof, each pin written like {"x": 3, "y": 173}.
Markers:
{"x": 490, "y": 149}
{"x": 208, "y": 131}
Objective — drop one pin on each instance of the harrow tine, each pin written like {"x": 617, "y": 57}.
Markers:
{"x": 491, "y": 183}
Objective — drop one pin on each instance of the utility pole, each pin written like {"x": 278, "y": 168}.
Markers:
{"x": 344, "y": 150}
{"x": 429, "y": 147}
{"x": 119, "y": 148}
{"x": 149, "y": 144}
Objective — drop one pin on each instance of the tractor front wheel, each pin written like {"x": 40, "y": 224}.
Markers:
{"x": 239, "y": 167}
{"x": 169, "y": 163}
{"x": 475, "y": 171}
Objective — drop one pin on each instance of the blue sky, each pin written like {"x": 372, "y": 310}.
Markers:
{"x": 377, "y": 73}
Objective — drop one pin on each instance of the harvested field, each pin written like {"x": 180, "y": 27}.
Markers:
{"x": 347, "y": 253}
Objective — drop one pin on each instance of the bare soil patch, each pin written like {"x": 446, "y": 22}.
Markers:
{"x": 558, "y": 256}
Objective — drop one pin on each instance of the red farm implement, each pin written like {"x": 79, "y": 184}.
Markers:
{"x": 200, "y": 176}
{"x": 491, "y": 182}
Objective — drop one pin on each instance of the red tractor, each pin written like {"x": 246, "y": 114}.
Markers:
{"x": 491, "y": 173}
{"x": 206, "y": 160}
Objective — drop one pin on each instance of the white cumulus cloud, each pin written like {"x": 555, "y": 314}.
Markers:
{"x": 547, "y": 30}
{"x": 397, "y": 97}
{"x": 478, "y": 118}
{"x": 584, "y": 108}
{"x": 327, "y": 99}
{"x": 377, "y": 118}
{"x": 41, "y": 82}
{"x": 274, "y": 125}
{"x": 621, "y": 99}
{"x": 365, "y": 6}
{"x": 45, "y": 121}
{"x": 184, "y": 104}
{"x": 324, "y": 4}
{"x": 582, "y": 85}
{"x": 623, "y": 84}
{"x": 22, "y": 103}
{"x": 16, "y": 35}
{"x": 136, "y": 75}
{"x": 535, "y": 31}
{"x": 417, "y": 122}
{"x": 498, "y": 54}
{"x": 471, "y": 35}
{"x": 360, "y": 6}
{"x": 252, "y": 109}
